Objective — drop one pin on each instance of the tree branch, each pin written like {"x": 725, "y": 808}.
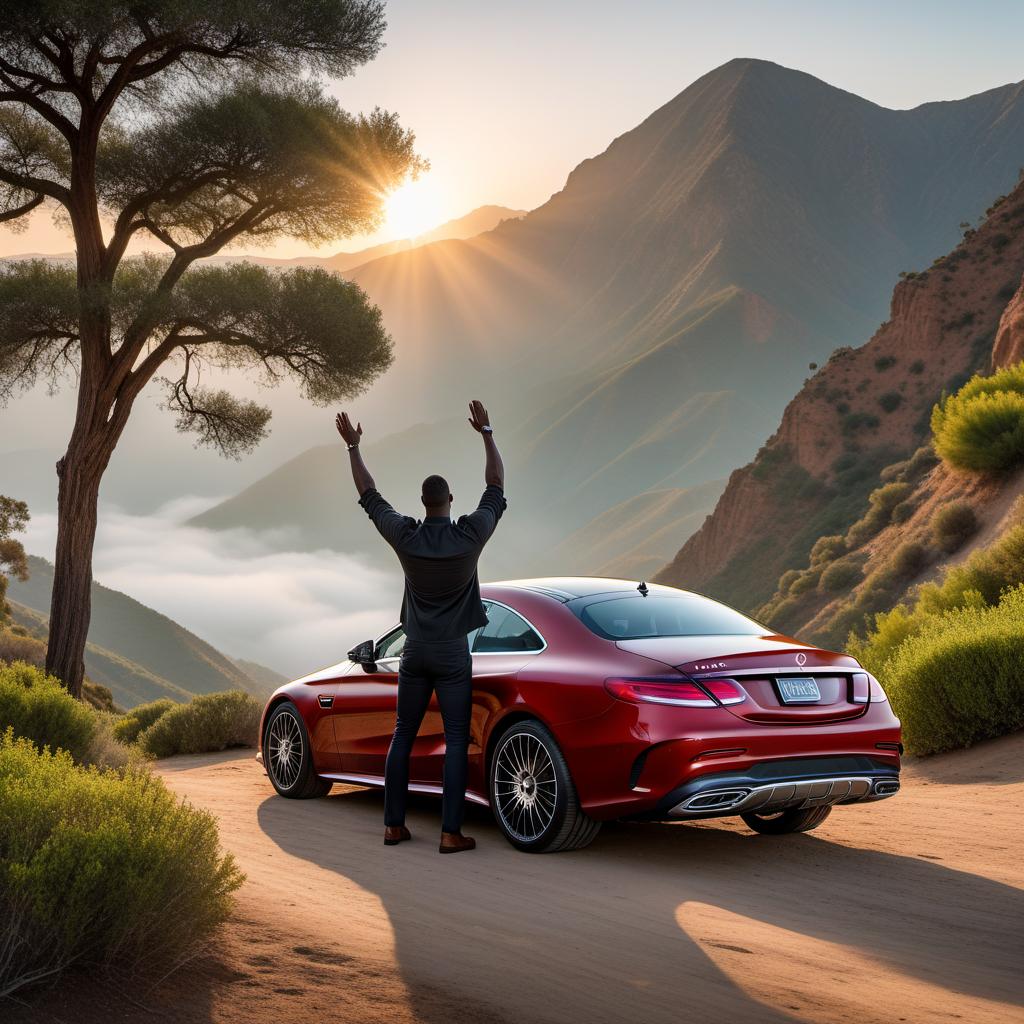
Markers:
{"x": 20, "y": 211}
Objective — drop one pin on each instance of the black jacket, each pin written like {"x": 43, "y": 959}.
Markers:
{"x": 439, "y": 557}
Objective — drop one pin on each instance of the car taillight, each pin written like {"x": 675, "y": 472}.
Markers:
{"x": 877, "y": 693}
{"x": 652, "y": 691}
{"x": 860, "y": 688}
{"x": 726, "y": 690}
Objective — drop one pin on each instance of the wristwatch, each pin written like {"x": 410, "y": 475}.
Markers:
{"x": 351, "y": 446}
{"x": 487, "y": 430}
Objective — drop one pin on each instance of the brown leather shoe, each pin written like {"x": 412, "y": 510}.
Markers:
{"x": 455, "y": 842}
{"x": 395, "y": 834}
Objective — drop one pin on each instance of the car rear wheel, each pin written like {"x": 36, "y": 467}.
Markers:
{"x": 794, "y": 820}
{"x": 532, "y": 793}
{"x": 288, "y": 758}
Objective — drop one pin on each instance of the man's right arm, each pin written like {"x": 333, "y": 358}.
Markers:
{"x": 390, "y": 524}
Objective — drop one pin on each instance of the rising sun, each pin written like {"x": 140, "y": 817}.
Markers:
{"x": 412, "y": 209}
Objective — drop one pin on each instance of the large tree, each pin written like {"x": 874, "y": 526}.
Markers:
{"x": 195, "y": 124}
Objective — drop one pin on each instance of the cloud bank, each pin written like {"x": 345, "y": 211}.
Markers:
{"x": 291, "y": 611}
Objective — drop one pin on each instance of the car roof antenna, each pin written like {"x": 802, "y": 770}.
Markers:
{"x": 643, "y": 588}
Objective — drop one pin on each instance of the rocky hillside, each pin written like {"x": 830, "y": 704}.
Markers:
{"x": 865, "y": 410}
{"x": 136, "y": 652}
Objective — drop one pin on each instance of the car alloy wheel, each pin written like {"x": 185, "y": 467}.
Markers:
{"x": 525, "y": 786}
{"x": 284, "y": 746}
{"x": 287, "y": 756}
{"x": 532, "y": 793}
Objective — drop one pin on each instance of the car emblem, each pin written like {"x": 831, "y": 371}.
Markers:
{"x": 801, "y": 659}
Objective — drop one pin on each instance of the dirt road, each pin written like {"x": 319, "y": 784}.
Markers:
{"x": 909, "y": 910}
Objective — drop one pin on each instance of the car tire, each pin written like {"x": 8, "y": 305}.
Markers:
{"x": 532, "y": 793}
{"x": 292, "y": 772}
{"x": 796, "y": 819}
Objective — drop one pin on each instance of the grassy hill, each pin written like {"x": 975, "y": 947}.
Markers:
{"x": 135, "y": 651}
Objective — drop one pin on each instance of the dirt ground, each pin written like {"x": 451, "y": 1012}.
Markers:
{"x": 907, "y": 910}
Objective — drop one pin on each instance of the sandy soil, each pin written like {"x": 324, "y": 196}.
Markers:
{"x": 908, "y": 910}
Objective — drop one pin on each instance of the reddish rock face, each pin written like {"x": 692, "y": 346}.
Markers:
{"x": 963, "y": 314}
{"x": 1009, "y": 346}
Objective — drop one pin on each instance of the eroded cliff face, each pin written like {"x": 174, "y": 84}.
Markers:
{"x": 865, "y": 408}
{"x": 1009, "y": 346}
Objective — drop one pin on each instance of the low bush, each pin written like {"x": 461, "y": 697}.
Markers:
{"x": 881, "y": 503}
{"x": 827, "y": 549}
{"x": 909, "y": 559}
{"x": 840, "y": 576}
{"x": 213, "y": 721}
{"x": 890, "y": 401}
{"x": 904, "y": 510}
{"x": 953, "y": 525}
{"x": 100, "y": 868}
{"x": 981, "y": 427}
{"x": 805, "y": 582}
{"x": 36, "y": 706}
{"x": 786, "y": 580}
{"x": 958, "y": 680}
{"x": 138, "y": 719}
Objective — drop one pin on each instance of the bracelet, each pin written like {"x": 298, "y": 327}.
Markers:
{"x": 352, "y": 447}
{"x": 487, "y": 430}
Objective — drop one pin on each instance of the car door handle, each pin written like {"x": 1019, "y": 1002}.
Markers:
{"x": 325, "y": 701}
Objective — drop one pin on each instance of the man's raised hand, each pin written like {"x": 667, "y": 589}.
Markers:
{"x": 350, "y": 435}
{"x": 478, "y": 417}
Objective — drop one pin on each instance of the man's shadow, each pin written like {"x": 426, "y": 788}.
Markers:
{"x": 593, "y": 935}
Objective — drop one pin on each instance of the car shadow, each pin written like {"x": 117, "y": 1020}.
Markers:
{"x": 594, "y": 933}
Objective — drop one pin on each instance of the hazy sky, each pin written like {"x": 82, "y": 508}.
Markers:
{"x": 506, "y": 99}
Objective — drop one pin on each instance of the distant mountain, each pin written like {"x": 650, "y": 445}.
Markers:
{"x": 644, "y": 328}
{"x": 136, "y": 652}
{"x": 866, "y": 409}
{"x": 476, "y": 222}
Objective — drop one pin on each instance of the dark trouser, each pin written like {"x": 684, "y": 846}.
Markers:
{"x": 444, "y": 666}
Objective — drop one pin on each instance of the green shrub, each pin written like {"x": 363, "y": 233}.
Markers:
{"x": 213, "y": 721}
{"x": 959, "y": 679}
{"x": 890, "y": 401}
{"x": 909, "y": 559}
{"x": 981, "y": 427}
{"x": 839, "y": 576}
{"x": 904, "y": 510}
{"x": 881, "y": 503}
{"x": 39, "y": 708}
{"x": 140, "y": 718}
{"x": 917, "y": 366}
{"x": 786, "y": 580}
{"x": 920, "y": 462}
{"x": 952, "y": 525}
{"x": 101, "y": 868}
{"x": 827, "y": 549}
{"x": 806, "y": 582}
{"x": 884, "y": 362}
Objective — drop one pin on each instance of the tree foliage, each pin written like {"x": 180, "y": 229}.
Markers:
{"x": 13, "y": 519}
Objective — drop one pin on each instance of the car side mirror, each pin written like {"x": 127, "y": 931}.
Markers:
{"x": 363, "y": 654}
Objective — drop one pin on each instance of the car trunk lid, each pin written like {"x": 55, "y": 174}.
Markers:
{"x": 783, "y": 681}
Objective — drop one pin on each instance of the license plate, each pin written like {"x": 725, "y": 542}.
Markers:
{"x": 798, "y": 690}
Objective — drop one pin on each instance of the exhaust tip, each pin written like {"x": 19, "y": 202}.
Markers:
{"x": 887, "y": 787}
{"x": 716, "y": 801}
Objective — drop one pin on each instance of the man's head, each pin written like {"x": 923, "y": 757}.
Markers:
{"x": 437, "y": 499}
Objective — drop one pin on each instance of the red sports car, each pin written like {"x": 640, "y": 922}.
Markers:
{"x": 596, "y": 699}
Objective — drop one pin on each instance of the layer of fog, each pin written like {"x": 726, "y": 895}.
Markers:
{"x": 291, "y": 611}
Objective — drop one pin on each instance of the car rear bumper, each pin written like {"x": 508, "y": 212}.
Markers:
{"x": 781, "y": 785}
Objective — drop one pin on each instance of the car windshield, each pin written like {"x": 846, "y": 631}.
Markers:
{"x": 636, "y": 618}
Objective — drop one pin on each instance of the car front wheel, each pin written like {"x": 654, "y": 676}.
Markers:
{"x": 532, "y": 793}
{"x": 781, "y": 822}
{"x": 288, "y": 757}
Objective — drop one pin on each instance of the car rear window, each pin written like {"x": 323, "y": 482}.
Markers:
{"x": 635, "y": 618}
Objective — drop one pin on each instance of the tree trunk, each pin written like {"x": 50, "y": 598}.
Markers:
{"x": 70, "y": 605}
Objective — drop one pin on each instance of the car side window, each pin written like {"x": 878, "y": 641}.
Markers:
{"x": 506, "y": 632}
{"x": 391, "y": 646}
